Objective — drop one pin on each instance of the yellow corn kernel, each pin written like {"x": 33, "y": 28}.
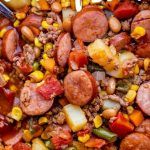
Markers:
{"x": 84, "y": 138}
{"x": 126, "y": 116}
{"x": 13, "y": 88}
{"x": 65, "y": 3}
{"x": 45, "y": 56}
{"x": 85, "y": 2}
{"x": 2, "y": 32}
{"x": 37, "y": 43}
{"x": 130, "y": 109}
{"x": 16, "y": 113}
{"x": 130, "y": 96}
{"x": 134, "y": 87}
{"x": 42, "y": 120}
{"x": 37, "y": 76}
{"x": 6, "y": 77}
{"x": 146, "y": 63}
{"x": 138, "y": 32}
{"x": 56, "y": 25}
{"x": 27, "y": 135}
{"x": 48, "y": 46}
{"x": 48, "y": 64}
{"x": 16, "y": 23}
{"x": 20, "y": 15}
{"x": 103, "y": 93}
{"x": 136, "y": 69}
{"x": 97, "y": 121}
{"x": 45, "y": 25}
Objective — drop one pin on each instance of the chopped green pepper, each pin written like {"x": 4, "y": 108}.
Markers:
{"x": 105, "y": 134}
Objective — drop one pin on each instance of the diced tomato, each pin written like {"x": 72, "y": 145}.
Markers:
{"x": 63, "y": 138}
{"x": 21, "y": 146}
{"x": 77, "y": 59}
{"x": 95, "y": 143}
{"x": 121, "y": 126}
{"x": 50, "y": 88}
{"x": 126, "y": 10}
{"x": 26, "y": 68}
{"x": 9, "y": 95}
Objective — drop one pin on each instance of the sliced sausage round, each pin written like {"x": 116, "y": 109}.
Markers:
{"x": 135, "y": 141}
{"x": 142, "y": 19}
{"x": 143, "y": 50}
{"x": 9, "y": 44}
{"x": 89, "y": 24}
{"x": 63, "y": 49}
{"x": 143, "y": 98}
{"x": 79, "y": 88}
{"x": 33, "y": 103}
{"x": 144, "y": 127}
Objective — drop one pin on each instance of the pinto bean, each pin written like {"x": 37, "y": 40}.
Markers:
{"x": 114, "y": 24}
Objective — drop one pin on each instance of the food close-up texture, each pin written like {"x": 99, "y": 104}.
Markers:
{"x": 74, "y": 74}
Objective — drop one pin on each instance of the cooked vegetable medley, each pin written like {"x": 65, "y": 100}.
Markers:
{"x": 75, "y": 75}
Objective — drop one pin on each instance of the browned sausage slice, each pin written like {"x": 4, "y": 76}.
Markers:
{"x": 63, "y": 50}
{"x": 144, "y": 127}
{"x": 142, "y": 19}
{"x": 79, "y": 87}
{"x": 9, "y": 44}
{"x": 120, "y": 40}
{"x": 135, "y": 141}
{"x": 33, "y": 103}
{"x": 143, "y": 50}
{"x": 90, "y": 24}
{"x": 143, "y": 98}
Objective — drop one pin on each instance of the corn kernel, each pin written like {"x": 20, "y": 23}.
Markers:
{"x": 130, "y": 109}
{"x": 20, "y": 15}
{"x": 48, "y": 46}
{"x": 126, "y": 116}
{"x": 16, "y": 113}
{"x": 42, "y": 120}
{"x": 2, "y": 32}
{"x": 37, "y": 76}
{"x": 130, "y": 96}
{"x": 85, "y": 2}
{"x": 146, "y": 63}
{"x": 84, "y": 138}
{"x": 37, "y": 43}
{"x": 45, "y": 25}
{"x": 138, "y": 32}
{"x": 103, "y": 93}
{"x": 6, "y": 77}
{"x": 97, "y": 121}
{"x": 134, "y": 87}
{"x": 45, "y": 56}
{"x": 27, "y": 135}
{"x": 56, "y": 25}
{"x": 65, "y": 3}
{"x": 136, "y": 69}
{"x": 16, "y": 23}
{"x": 13, "y": 88}
{"x": 48, "y": 64}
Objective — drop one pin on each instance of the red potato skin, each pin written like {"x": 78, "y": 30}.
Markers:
{"x": 33, "y": 103}
{"x": 143, "y": 98}
{"x": 120, "y": 41}
{"x": 79, "y": 87}
{"x": 89, "y": 24}
{"x": 126, "y": 10}
{"x": 135, "y": 141}
{"x": 9, "y": 44}
{"x": 63, "y": 49}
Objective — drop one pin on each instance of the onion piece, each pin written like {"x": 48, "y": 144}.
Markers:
{"x": 99, "y": 75}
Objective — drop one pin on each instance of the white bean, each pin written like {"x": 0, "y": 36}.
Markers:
{"x": 109, "y": 113}
{"x": 114, "y": 24}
